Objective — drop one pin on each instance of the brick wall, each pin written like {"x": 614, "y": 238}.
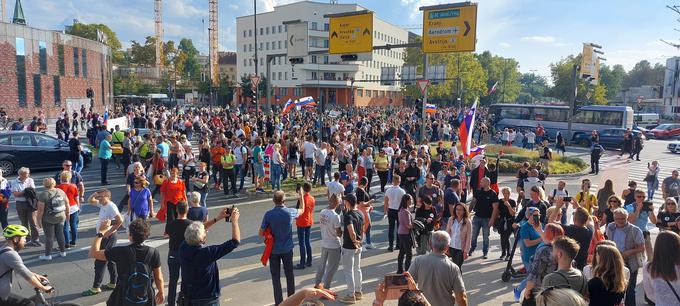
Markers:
{"x": 71, "y": 87}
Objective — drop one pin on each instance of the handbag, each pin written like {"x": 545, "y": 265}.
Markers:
{"x": 674, "y": 292}
{"x": 649, "y": 178}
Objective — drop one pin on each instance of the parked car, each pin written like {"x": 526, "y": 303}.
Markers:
{"x": 34, "y": 150}
{"x": 674, "y": 147}
{"x": 666, "y": 130}
{"x": 647, "y": 132}
{"x": 609, "y": 138}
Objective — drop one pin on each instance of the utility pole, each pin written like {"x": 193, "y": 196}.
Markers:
{"x": 257, "y": 101}
{"x": 572, "y": 103}
{"x": 422, "y": 110}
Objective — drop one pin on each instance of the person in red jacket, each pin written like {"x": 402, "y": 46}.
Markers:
{"x": 304, "y": 225}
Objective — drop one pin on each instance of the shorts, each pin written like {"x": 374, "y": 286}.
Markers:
{"x": 259, "y": 169}
{"x": 309, "y": 162}
{"x": 292, "y": 161}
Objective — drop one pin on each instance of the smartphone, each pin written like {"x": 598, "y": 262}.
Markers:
{"x": 229, "y": 211}
{"x": 298, "y": 187}
{"x": 394, "y": 285}
{"x": 566, "y": 199}
{"x": 536, "y": 219}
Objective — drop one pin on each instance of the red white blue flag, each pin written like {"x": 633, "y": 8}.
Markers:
{"x": 493, "y": 88}
{"x": 288, "y": 106}
{"x": 478, "y": 150}
{"x": 306, "y": 102}
{"x": 466, "y": 128}
{"x": 430, "y": 108}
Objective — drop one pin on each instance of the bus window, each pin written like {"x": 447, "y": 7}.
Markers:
{"x": 515, "y": 113}
{"x": 540, "y": 114}
{"x": 611, "y": 118}
{"x": 557, "y": 115}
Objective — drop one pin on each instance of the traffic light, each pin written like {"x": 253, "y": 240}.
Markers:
{"x": 419, "y": 108}
{"x": 254, "y": 97}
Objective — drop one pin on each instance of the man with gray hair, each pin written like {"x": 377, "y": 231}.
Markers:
{"x": 200, "y": 274}
{"x": 631, "y": 243}
{"x": 439, "y": 278}
{"x": 25, "y": 212}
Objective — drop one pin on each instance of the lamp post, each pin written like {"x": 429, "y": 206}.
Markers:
{"x": 257, "y": 101}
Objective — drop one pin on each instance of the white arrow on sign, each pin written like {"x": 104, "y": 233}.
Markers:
{"x": 423, "y": 85}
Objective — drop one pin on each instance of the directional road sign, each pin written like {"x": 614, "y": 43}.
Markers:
{"x": 351, "y": 34}
{"x": 298, "y": 40}
{"x": 449, "y": 27}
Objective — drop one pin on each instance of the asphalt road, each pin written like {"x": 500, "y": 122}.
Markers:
{"x": 245, "y": 282}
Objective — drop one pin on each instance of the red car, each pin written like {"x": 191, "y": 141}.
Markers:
{"x": 666, "y": 130}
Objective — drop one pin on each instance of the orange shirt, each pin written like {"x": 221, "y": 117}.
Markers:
{"x": 71, "y": 192}
{"x": 246, "y": 129}
{"x": 306, "y": 219}
{"x": 216, "y": 155}
{"x": 173, "y": 192}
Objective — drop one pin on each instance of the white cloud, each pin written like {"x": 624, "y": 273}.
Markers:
{"x": 504, "y": 44}
{"x": 539, "y": 39}
{"x": 183, "y": 9}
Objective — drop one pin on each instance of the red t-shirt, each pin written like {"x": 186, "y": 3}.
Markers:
{"x": 306, "y": 219}
{"x": 216, "y": 155}
{"x": 173, "y": 192}
{"x": 480, "y": 176}
{"x": 71, "y": 192}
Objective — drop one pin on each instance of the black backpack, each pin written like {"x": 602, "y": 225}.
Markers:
{"x": 138, "y": 288}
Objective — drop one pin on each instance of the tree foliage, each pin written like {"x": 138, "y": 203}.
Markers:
{"x": 89, "y": 31}
{"x": 505, "y": 71}
{"x": 562, "y": 76}
{"x": 613, "y": 78}
{"x": 534, "y": 87}
{"x": 644, "y": 74}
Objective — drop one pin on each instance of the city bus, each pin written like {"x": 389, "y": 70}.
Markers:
{"x": 647, "y": 120}
{"x": 555, "y": 118}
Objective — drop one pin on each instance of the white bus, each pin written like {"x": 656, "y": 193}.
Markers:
{"x": 555, "y": 118}
{"x": 647, "y": 120}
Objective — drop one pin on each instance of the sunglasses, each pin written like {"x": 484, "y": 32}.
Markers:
{"x": 671, "y": 203}
{"x": 67, "y": 165}
{"x": 613, "y": 201}
{"x": 639, "y": 197}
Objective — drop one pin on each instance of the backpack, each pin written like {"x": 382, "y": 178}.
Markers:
{"x": 56, "y": 204}
{"x": 137, "y": 288}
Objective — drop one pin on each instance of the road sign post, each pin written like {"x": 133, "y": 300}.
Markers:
{"x": 254, "y": 81}
{"x": 449, "y": 27}
{"x": 423, "y": 88}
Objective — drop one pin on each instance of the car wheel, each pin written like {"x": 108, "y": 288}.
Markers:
{"x": 7, "y": 167}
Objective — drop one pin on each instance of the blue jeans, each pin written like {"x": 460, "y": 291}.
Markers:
{"x": 651, "y": 188}
{"x": 240, "y": 174}
{"x": 78, "y": 166}
{"x": 71, "y": 228}
{"x": 319, "y": 173}
{"x": 174, "y": 267}
{"x": 482, "y": 223}
{"x": 276, "y": 176}
{"x": 204, "y": 197}
{"x": 305, "y": 245}
{"x": 275, "y": 261}
{"x": 368, "y": 234}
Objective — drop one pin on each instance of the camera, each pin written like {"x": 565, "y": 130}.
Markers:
{"x": 648, "y": 206}
{"x": 536, "y": 219}
{"x": 566, "y": 199}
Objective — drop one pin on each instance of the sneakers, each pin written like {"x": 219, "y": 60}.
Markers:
{"x": 348, "y": 299}
{"x": 485, "y": 257}
{"x": 91, "y": 292}
{"x": 370, "y": 246}
{"x": 45, "y": 257}
{"x": 62, "y": 254}
{"x": 299, "y": 267}
{"x": 109, "y": 286}
{"x": 517, "y": 293}
{"x": 390, "y": 249}
{"x": 358, "y": 296}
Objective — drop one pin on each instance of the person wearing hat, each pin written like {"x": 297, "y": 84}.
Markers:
{"x": 10, "y": 261}
{"x": 353, "y": 221}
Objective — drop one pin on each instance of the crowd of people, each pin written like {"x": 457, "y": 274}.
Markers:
{"x": 436, "y": 201}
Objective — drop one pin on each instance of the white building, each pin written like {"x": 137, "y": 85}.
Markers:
{"x": 317, "y": 76}
{"x": 671, "y": 88}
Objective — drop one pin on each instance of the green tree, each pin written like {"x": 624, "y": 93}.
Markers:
{"x": 644, "y": 74}
{"x": 186, "y": 60}
{"x": 612, "y": 78}
{"x": 505, "y": 71}
{"x": 534, "y": 87}
{"x": 89, "y": 31}
{"x": 470, "y": 71}
{"x": 144, "y": 54}
{"x": 562, "y": 75}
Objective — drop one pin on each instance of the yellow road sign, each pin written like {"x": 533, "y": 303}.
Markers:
{"x": 351, "y": 34}
{"x": 449, "y": 28}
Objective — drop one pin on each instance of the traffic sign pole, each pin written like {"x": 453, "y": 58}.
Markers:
{"x": 422, "y": 110}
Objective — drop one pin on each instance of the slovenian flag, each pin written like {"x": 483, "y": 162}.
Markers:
{"x": 478, "y": 150}
{"x": 466, "y": 128}
{"x": 106, "y": 115}
{"x": 493, "y": 88}
{"x": 306, "y": 102}
{"x": 430, "y": 108}
{"x": 288, "y": 106}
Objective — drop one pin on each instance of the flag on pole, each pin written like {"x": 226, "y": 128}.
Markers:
{"x": 430, "y": 108}
{"x": 288, "y": 106}
{"x": 493, "y": 88}
{"x": 305, "y": 101}
{"x": 478, "y": 150}
{"x": 466, "y": 128}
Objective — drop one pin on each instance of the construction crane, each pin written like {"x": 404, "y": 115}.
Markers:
{"x": 158, "y": 20}
{"x": 213, "y": 43}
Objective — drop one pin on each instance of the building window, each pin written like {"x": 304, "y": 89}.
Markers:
{"x": 76, "y": 66}
{"x": 279, "y": 44}
{"x": 43, "y": 57}
{"x": 368, "y": 93}
{"x": 285, "y": 75}
{"x": 274, "y": 76}
{"x": 314, "y": 75}
{"x": 285, "y": 43}
{"x": 244, "y": 33}
{"x": 325, "y": 59}
{"x": 313, "y": 59}
{"x": 325, "y": 43}
{"x": 375, "y": 93}
{"x": 267, "y": 45}
{"x": 314, "y": 25}
{"x": 261, "y": 45}
{"x": 267, "y": 30}
{"x": 261, "y": 61}
{"x": 250, "y": 33}
{"x": 60, "y": 59}
{"x": 360, "y": 92}
{"x": 244, "y": 48}
{"x": 84, "y": 63}
{"x": 250, "y": 47}
{"x": 261, "y": 31}
{"x": 279, "y": 78}
{"x": 283, "y": 91}
{"x": 273, "y": 29}
{"x": 297, "y": 91}
{"x": 57, "y": 90}
{"x": 245, "y": 62}
{"x": 280, "y": 28}
{"x": 326, "y": 27}
{"x": 37, "y": 90}
{"x": 250, "y": 62}
{"x": 21, "y": 70}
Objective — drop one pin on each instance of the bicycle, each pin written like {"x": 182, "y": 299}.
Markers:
{"x": 40, "y": 300}
{"x": 5, "y": 123}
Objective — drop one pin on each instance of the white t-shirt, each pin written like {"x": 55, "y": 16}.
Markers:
{"x": 330, "y": 222}
{"x": 455, "y": 238}
{"x": 394, "y": 195}
{"x": 308, "y": 149}
{"x": 336, "y": 187}
{"x": 18, "y": 186}
{"x": 320, "y": 156}
{"x": 239, "y": 153}
{"x": 107, "y": 212}
{"x": 531, "y": 137}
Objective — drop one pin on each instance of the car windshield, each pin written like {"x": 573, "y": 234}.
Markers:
{"x": 663, "y": 127}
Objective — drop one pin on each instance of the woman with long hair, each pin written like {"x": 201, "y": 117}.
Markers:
{"x": 652, "y": 178}
{"x": 405, "y": 240}
{"x": 506, "y": 216}
{"x": 603, "y": 198}
{"x": 542, "y": 262}
{"x": 459, "y": 228}
{"x": 172, "y": 191}
{"x": 608, "y": 285}
{"x": 613, "y": 202}
{"x": 661, "y": 276}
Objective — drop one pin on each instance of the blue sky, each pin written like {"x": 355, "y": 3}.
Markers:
{"x": 535, "y": 32}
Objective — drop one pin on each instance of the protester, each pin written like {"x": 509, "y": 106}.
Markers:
{"x": 71, "y": 223}
{"x": 105, "y": 153}
{"x": 331, "y": 232}
{"x": 15, "y": 241}
{"x": 304, "y": 226}
{"x": 140, "y": 202}
{"x": 53, "y": 211}
{"x": 560, "y": 297}
{"x": 486, "y": 212}
{"x": 608, "y": 283}
{"x": 279, "y": 221}
{"x": 392, "y": 204}
{"x": 506, "y": 216}
{"x": 564, "y": 252}
{"x": 405, "y": 240}
{"x": 542, "y": 263}
{"x": 661, "y": 275}
{"x": 631, "y": 243}
{"x": 668, "y": 216}
{"x": 200, "y": 274}
{"x": 459, "y": 228}
{"x": 22, "y": 186}
{"x": 172, "y": 191}
{"x": 352, "y": 235}
{"x": 641, "y": 213}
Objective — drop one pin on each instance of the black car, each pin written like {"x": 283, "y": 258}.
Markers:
{"x": 33, "y": 150}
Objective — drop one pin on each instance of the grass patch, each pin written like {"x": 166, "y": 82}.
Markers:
{"x": 514, "y": 157}
{"x": 289, "y": 185}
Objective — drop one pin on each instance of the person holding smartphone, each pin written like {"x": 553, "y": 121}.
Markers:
{"x": 530, "y": 233}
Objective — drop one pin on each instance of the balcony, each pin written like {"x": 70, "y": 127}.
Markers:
{"x": 342, "y": 67}
{"x": 337, "y": 82}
